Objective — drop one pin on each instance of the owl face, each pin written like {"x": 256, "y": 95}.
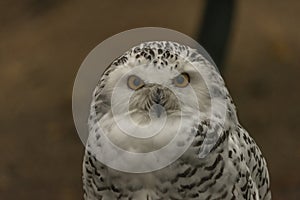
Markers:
{"x": 147, "y": 91}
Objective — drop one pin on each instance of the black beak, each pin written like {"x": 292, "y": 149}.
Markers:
{"x": 158, "y": 102}
{"x": 158, "y": 95}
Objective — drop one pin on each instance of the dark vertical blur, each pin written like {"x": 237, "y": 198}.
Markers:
{"x": 216, "y": 27}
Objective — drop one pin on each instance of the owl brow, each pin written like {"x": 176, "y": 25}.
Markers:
{"x": 192, "y": 73}
{"x": 182, "y": 72}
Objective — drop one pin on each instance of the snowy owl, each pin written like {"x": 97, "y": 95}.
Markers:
{"x": 153, "y": 93}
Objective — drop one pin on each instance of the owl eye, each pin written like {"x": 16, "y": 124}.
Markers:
{"x": 181, "y": 80}
{"x": 135, "y": 82}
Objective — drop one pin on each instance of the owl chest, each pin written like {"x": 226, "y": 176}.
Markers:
{"x": 180, "y": 180}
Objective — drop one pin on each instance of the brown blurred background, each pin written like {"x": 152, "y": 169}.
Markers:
{"x": 42, "y": 44}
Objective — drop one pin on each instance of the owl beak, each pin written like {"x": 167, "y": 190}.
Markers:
{"x": 157, "y": 97}
{"x": 158, "y": 103}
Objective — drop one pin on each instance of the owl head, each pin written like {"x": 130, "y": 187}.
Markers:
{"x": 156, "y": 87}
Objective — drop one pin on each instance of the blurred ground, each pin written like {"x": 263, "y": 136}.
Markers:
{"x": 42, "y": 44}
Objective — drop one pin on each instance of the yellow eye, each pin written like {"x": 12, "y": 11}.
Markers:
{"x": 135, "y": 82}
{"x": 181, "y": 80}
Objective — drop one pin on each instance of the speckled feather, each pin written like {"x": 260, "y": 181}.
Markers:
{"x": 234, "y": 167}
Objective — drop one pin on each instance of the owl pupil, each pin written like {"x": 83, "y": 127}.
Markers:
{"x": 136, "y": 82}
{"x": 180, "y": 79}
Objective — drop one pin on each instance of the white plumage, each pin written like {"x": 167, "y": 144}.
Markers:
{"x": 167, "y": 82}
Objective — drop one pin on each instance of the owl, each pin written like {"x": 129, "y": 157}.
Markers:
{"x": 162, "y": 125}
